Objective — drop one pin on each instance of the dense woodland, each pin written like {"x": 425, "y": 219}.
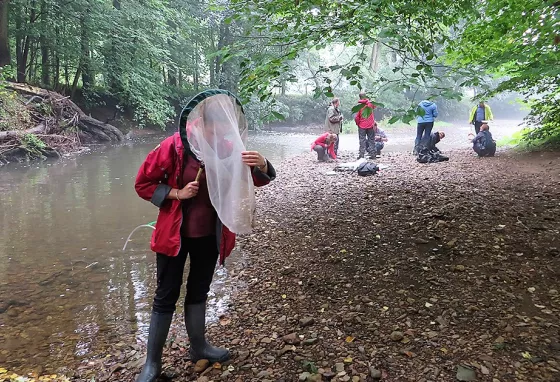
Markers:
{"x": 286, "y": 58}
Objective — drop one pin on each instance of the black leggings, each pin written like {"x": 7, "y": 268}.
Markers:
{"x": 204, "y": 255}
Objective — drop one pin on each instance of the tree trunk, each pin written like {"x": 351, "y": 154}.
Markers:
{"x": 45, "y": 68}
{"x": 374, "y": 60}
{"x": 196, "y": 79}
{"x": 85, "y": 60}
{"x": 5, "y": 58}
{"x": 24, "y": 53}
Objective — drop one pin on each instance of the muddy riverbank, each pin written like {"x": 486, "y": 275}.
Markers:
{"x": 417, "y": 274}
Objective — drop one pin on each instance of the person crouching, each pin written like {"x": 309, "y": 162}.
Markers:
{"x": 483, "y": 144}
{"x": 324, "y": 147}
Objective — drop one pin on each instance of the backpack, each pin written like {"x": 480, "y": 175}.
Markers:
{"x": 367, "y": 168}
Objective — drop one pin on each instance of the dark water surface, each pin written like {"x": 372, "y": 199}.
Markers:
{"x": 66, "y": 287}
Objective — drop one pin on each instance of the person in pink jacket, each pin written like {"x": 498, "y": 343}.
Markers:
{"x": 324, "y": 147}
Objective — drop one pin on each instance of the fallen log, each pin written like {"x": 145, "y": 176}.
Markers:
{"x": 7, "y": 135}
{"x": 68, "y": 110}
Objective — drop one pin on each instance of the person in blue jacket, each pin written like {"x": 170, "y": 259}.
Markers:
{"x": 425, "y": 122}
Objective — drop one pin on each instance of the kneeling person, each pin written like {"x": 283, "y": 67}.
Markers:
{"x": 483, "y": 144}
{"x": 324, "y": 147}
{"x": 379, "y": 140}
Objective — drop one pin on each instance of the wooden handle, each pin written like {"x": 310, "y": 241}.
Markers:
{"x": 198, "y": 174}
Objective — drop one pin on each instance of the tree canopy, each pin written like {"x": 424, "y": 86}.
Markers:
{"x": 149, "y": 55}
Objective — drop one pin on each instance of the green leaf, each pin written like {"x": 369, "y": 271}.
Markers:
{"x": 357, "y": 108}
{"x": 278, "y": 116}
{"x": 366, "y": 112}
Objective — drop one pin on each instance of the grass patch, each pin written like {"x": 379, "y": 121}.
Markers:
{"x": 520, "y": 141}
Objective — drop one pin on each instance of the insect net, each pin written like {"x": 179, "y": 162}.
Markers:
{"x": 216, "y": 130}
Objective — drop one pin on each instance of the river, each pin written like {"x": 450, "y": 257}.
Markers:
{"x": 67, "y": 289}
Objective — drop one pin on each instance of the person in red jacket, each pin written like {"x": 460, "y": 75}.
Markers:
{"x": 324, "y": 146}
{"x": 175, "y": 180}
{"x": 366, "y": 132}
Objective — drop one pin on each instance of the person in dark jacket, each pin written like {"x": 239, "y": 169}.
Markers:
{"x": 379, "y": 140}
{"x": 174, "y": 180}
{"x": 483, "y": 144}
{"x": 428, "y": 151}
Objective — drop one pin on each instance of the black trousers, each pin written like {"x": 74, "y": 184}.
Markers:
{"x": 203, "y": 252}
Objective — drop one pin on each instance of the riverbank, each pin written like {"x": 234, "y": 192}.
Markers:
{"x": 410, "y": 275}
{"x": 39, "y": 124}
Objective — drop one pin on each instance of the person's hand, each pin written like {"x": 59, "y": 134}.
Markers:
{"x": 189, "y": 191}
{"x": 253, "y": 159}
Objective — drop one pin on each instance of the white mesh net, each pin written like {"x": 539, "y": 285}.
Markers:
{"x": 217, "y": 133}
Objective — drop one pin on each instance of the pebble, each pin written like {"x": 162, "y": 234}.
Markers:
{"x": 339, "y": 367}
{"x": 465, "y": 374}
{"x": 374, "y": 373}
{"x": 291, "y": 339}
{"x": 310, "y": 341}
{"x": 306, "y": 321}
{"x": 397, "y": 336}
{"x": 201, "y": 365}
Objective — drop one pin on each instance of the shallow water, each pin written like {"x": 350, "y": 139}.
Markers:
{"x": 66, "y": 287}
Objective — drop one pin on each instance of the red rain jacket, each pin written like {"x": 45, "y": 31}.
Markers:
{"x": 322, "y": 141}
{"x": 365, "y": 123}
{"x": 160, "y": 172}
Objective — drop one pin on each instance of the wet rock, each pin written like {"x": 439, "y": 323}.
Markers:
{"x": 306, "y": 321}
{"x": 263, "y": 374}
{"x": 374, "y": 373}
{"x": 291, "y": 339}
{"x": 397, "y": 336}
{"x": 465, "y": 374}
{"x": 310, "y": 341}
{"x": 201, "y": 365}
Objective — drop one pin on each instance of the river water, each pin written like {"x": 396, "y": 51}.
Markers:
{"x": 66, "y": 286}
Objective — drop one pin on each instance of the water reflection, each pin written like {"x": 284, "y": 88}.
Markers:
{"x": 66, "y": 287}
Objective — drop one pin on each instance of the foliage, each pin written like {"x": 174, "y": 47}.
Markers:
{"x": 13, "y": 114}
{"x": 33, "y": 144}
{"x": 411, "y": 31}
{"x": 518, "y": 41}
{"x": 145, "y": 54}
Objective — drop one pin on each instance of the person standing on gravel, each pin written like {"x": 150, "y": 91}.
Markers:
{"x": 203, "y": 185}
{"x": 425, "y": 121}
{"x": 333, "y": 121}
{"x": 479, "y": 114}
{"x": 365, "y": 127}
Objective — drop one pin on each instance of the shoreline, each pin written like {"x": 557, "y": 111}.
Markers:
{"x": 389, "y": 275}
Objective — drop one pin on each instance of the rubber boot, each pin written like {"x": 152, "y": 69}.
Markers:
{"x": 195, "y": 321}
{"x": 159, "y": 328}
